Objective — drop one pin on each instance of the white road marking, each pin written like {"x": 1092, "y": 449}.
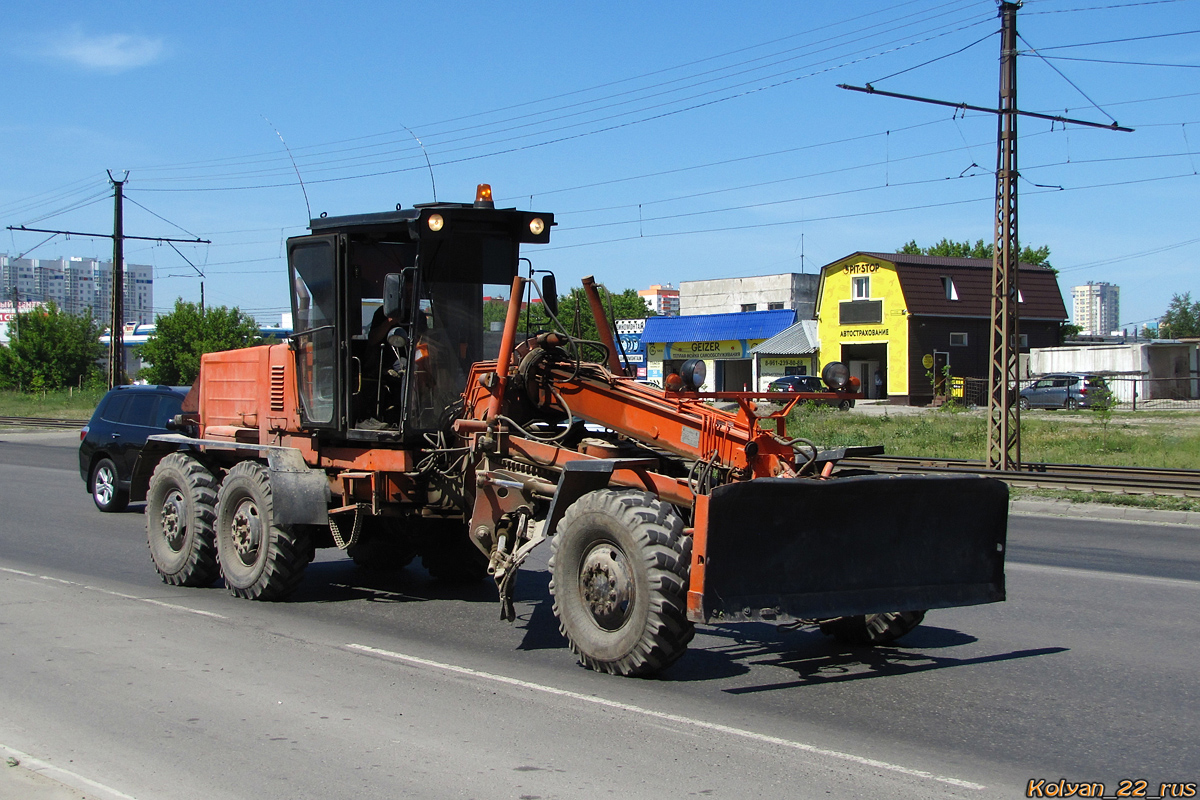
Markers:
{"x": 110, "y": 593}
{"x": 1097, "y": 573}
{"x": 65, "y": 776}
{"x": 182, "y": 608}
{"x": 661, "y": 715}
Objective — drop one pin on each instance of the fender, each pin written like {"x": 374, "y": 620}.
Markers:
{"x": 301, "y": 495}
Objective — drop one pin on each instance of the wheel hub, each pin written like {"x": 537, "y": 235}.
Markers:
{"x": 105, "y": 485}
{"x": 607, "y": 585}
{"x": 246, "y": 530}
{"x": 174, "y": 512}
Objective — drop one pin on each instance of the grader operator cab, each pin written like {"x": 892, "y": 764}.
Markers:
{"x": 388, "y": 428}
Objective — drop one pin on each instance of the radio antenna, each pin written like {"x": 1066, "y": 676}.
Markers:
{"x": 293, "y": 160}
{"x": 423, "y": 150}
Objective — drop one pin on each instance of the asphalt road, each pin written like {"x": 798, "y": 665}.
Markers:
{"x": 365, "y": 686}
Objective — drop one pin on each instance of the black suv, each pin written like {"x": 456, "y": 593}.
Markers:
{"x": 109, "y": 444}
{"x": 808, "y": 383}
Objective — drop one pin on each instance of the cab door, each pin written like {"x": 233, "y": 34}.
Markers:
{"x": 313, "y": 267}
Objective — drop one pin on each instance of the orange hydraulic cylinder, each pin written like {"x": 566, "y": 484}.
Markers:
{"x": 605, "y": 332}
{"x": 507, "y": 343}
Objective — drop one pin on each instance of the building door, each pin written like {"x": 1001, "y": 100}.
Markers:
{"x": 864, "y": 360}
{"x": 737, "y": 376}
{"x": 940, "y": 363}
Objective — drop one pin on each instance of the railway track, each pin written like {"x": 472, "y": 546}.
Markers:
{"x": 1080, "y": 477}
{"x": 42, "y": 422}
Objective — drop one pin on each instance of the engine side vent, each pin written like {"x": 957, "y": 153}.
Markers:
{"x": 277, "y": 377}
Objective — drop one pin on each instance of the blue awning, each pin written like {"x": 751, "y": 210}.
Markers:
{"x": 746, "y": 325}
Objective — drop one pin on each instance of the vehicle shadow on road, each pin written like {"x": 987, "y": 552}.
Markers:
{"x": 825, "y": 660}
{"x": 341, "y": 581}
{"x": 818, "y": 659}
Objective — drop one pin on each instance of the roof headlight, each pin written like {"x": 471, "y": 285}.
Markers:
{"x": 436, "y": 222}
{"x": 693, "y": 371}
{"x": 537, "y": 225}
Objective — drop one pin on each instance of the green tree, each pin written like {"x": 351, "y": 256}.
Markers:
{"x": 572, "y": 307}
{"x": 575, "y": 313}
{"x": 1182, "y": 319}
{"x": 182, "y": 336}
{"x": 950, "y": 249}
{"x": 51, "y": 349}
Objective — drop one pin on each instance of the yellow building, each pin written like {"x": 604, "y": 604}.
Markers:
{"x": 910, "y": 319}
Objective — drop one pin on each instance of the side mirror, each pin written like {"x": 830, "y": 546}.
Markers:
{"x": 550, "y": 294}
{"x": 393, "y": 293}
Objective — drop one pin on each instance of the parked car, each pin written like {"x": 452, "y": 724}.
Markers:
{"x": 1068, "y": 390}
{"x": 809, "y": 383}
{"x": 109, "y": 444}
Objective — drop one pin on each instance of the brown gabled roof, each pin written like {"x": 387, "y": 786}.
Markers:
{"x": 921, "y": 281}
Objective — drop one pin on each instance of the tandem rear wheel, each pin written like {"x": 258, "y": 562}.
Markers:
{"x": 619, "y": 565}
{"x": 180, "y": 510}
{"x": 259, "y": 559}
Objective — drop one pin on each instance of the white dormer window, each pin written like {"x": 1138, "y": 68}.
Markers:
{"x": 948, "y": 288}
{"x": 862, "y": 288}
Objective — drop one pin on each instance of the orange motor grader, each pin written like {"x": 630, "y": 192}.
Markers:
{"x": 392, "y": 425}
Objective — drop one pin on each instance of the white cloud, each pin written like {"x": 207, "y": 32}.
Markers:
{"x": 114, "y": 52}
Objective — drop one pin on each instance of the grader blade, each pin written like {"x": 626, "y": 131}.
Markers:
{"x": 778, "y": 549}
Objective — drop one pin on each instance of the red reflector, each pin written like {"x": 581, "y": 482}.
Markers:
{"x": 83, "y": 432}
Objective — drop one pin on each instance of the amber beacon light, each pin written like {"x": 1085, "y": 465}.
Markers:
{"x": 483, "y": 196}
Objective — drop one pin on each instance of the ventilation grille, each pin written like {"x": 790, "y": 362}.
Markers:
{"x": 277, "y": 376}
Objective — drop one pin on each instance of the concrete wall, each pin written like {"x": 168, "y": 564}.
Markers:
{"x": 727, "y": 295}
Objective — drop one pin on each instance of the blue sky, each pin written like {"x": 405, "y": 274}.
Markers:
{"x": 673, "y": 141}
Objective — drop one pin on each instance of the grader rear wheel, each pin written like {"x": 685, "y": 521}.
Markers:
{"x": 872, "y": 629}
{"x": 259, "y": 560}
{"x": 180, "y": 511}
{"x": 619, "y": 570}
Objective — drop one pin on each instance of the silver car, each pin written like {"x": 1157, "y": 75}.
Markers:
{"x": 1069, "y": 390}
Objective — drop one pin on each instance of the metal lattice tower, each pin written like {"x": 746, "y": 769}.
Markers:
{"x": 1004, "y": 412}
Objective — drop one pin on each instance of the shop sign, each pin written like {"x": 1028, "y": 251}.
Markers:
{"x": 927, "y": 361}
{"x": 731, "y": 348}
{"x": 861, "y": 268}
{"x": 860, "y": 333}
{"x": 655, "y": 350}
{"x": 780, "y": 366}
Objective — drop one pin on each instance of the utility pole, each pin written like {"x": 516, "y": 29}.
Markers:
{"x": 1004, "y": 411}
{"x": 116, "y": 335}
{"x": 116, "y": 344}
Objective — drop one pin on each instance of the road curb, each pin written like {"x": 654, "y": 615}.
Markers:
{"x": 1099, "y": 511}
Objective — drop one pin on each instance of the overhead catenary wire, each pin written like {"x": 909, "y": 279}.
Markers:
{"x": 908, "y": 16}
{"x": 701, "y": 100}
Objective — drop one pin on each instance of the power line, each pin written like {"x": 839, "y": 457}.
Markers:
{"x": 850, "y": 215}
{"x": 1105, "y": 8}
{"x": 1118, "y": 41}
{"x": 782, "y": 77}
{"x": 1125, "y": 63}
{"x": 889, "y": 26}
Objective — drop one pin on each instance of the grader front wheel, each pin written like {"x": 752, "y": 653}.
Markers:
{"x": 619, "y": 570}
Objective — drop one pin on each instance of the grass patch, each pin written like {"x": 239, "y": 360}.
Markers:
{"x": 1144, "y": 439}
{"x": 1158, "y": 502}
{"x": 64, "y": 404}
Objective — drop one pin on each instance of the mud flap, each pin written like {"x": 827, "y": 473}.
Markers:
{"x": 779, "y": 549}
